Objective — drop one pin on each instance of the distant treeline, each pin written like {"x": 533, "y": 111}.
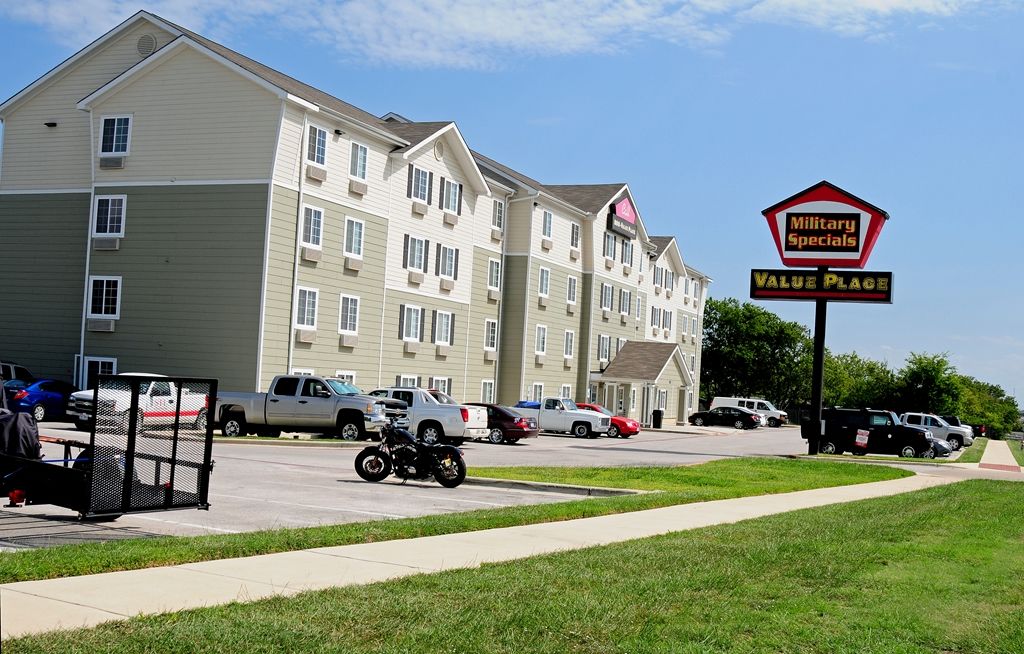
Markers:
{"x": 751, "y": 352}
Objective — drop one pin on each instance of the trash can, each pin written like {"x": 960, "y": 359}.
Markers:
{"x": 656, "y": 417}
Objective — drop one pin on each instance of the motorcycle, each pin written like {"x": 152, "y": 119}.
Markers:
{"x": 401, "y": 453}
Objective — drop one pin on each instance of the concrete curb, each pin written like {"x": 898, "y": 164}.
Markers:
{"x": 568, "y": 489}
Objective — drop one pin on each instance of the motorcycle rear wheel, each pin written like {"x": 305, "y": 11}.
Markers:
{"x": 372, "y": 464}
{"x": 450, "y": 471}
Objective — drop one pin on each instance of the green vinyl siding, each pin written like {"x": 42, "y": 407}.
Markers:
{"x": 480, "y": 310}
{"x": 514, "y": 298}
{"x": 191, "y": 268}
{"x": 43, "y": 237}
{"x": 277, "y": 332}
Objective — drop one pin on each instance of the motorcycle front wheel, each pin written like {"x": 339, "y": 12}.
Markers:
{"x": 450, "y": 471}
{"x": 373, "y": 464}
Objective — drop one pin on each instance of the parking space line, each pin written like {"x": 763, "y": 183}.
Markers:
{"x": 314, "y": 506}
{"x": 186, "y": 524}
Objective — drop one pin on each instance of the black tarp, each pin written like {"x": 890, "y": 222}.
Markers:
{"x": 19, "y": 436}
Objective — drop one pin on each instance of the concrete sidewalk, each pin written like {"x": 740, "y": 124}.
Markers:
{"x": 38, "y": 606}
{"x": 998, "y": 456}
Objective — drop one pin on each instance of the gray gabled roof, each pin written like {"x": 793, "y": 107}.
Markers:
{"x": 516, "y": 176}
{"x": 589, "y": 197}
{"x": 660, "y": 244}
{"x": 640, "y": 361}
{"x": 415, "y": 133}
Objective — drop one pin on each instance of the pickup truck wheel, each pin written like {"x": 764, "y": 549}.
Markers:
{"x": 773, "y": 422}
{"x": 496, "y": 436}
{"x": 581, "y": 430}
{"x": 431, "y": 434}
{"x": 955, "y": 443}
{"x": 348, "y": 430}
{"x": 613, "y": 432}
{"x": 200, "y": 424}
{"x": 233, "y": 425}
{"x": 908, "y": 452}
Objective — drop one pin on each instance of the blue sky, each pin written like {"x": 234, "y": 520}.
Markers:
{"x": 711, "y": 110}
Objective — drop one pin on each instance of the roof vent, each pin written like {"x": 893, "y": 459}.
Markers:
{"x": 146, "y": 45}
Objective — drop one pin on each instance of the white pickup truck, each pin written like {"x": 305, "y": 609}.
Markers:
{"x": 560, "y": 414}
{"x": 301, "y": 403}
{"x": 435, "y": 417}
{"x": 157, "y": 405}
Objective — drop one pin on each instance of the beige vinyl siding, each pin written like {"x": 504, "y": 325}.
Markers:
{"x": 42, "y": 267}
{"x": 515, "y": 297}
{"x": 329, "y": 276}
{"x": 614, "y": 327}
{"x": 192, "y": 119}
{"x": 191, "y": 268}
{"x": 36, "y": 156}
{"x": 290, "y": 147}
{"x": 518, "y": 226}
{"x": 480, "y": 310}
{"x": 553, "y": 372}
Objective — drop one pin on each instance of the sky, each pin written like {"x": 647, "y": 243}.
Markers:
{"x": 711, "y": 111}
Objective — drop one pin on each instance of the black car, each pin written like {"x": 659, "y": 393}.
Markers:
{"x": 733, "y": 416}
{"x": 871, "y": 431}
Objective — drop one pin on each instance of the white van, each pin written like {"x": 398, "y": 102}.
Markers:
{"x": 773, "y": 416}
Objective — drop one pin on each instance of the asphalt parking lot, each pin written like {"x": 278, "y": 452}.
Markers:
{"x": 270, "y": 485}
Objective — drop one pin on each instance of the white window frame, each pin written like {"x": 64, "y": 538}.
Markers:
{"x": 316, "y": 306}
{"x": 625, "y": 301}
{"x": 494, "y": 280}
{"x": 408, "y": 381}
{"x": 451, "y": 196}
{"x": 349, "y": 223}
{"x": 537, "y": 391}
{"x": 306, "y": 210}
{"x": 349, "y": 374}
{"x": 607, "y": 295}
{"x": 547, "y": 222}
{"x": 447, "y": 269}
{"x": 620, "y": 343}
{"x": 639, "y": 307}
{"x": 666, "y": 319}
{"x": 341, "y": 313}
{"x": 353, "y": 164}
{"x": 443, "y": 384}
{"x": 544, "y": 282}
{"x": 96, "y": 215}
{"x": 574, "y": 235}
{"x": 437, "y": 328}
{"x": 303, "y": 372}
{"x": 632, "y": 399}
{"x": 540, "y": 340}
{"x": 498, "y": 215}
{"x": 128, "y": 142}
{"x": 417, "y": 174}
{"x": 693, "y": 326}
{"x": 309, "y": 135}
{"x": 570, "y": 289}
{"x": 569, "y": 344}
{"x": 685, "y": 326}
{"x": 627, "y": 247}
{"x": 604, "y": 347}
{"x": 662, "y": 400}
{"x": 487, "y": 391}
{"x": 693, "y": 363}
{"x": 609, "y": 245}
{"x": 84, "y": 372}
{"x": 409, "y": 310}
{"x": 487, "y": 335}
{"x": 120, "y": 290}
{"x": 565, "y": 391}
{"x": 422, "y": 250}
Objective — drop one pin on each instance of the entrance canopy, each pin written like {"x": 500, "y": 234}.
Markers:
{"x": 646, "y": 362}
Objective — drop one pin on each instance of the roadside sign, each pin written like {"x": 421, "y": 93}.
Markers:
{"x": 833, "y": 285}
{"x": 825, "y": 226}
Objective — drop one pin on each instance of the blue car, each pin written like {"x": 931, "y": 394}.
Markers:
{"x": 45, "y": 399}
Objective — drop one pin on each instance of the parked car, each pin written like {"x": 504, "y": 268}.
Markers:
{"x": 156, "y": 405}
{"x": 11, "y": 371}
{"x": 956, "y": 436}
{"x": 505, "y": 425}
{"x": 621, "y": 426}
{"x": 774, "y": 417}
{"x": 436, "y": 417}
{"x": 979, "y": 430}
{"x": 871, "y": 431}
{"x": 956, "y": 422}
{"x": 560, "y": 414}
{"x": 942, "y": 448}
{"x": 45, "y": 399}
{"x": 732, "y": 416}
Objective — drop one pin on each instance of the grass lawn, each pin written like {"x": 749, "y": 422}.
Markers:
{"x": 709, "y": 481}
{"x": 973, "y": 453}
{"x": 1018, "y": 452}
{"x": 932, "y": 572}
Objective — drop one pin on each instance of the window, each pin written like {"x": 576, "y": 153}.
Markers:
{"x": 570, "y": 290}
{"x": 670, "y": 280}
{"x": 666, "y": 319}
{"x": 541, "y": 342}
{"x": 565, "y": 391}
{"x": 609, "y": 245}
{"x": 305, "y": 315}
{"x": 415, "y": 253}
{"x": 302, "y": 372}
{"x": 574, "y": 235}
{"x": 312, "y": 226}
{"x": 95, "y": 366}
{"x": 604, "y": 344}
{"x": 421, "y": 183}
{"x": 452, "y": 196}
{"x": 354, "y": 237}
{"x": 410, "y": 320}
{"x": 347, "y": 376}
{"x": 487, "y": 391}
{"x": 490, "y": 334}
{"x": 357, "y": 163}
{"x": 606, "y": 296}
{"x": 632, "y": 399}
{"x": 447, "y": 263}
{"x": 116, "y": 136}
{"x": 625, "y": 301}
{"x": 696, "y": 289}
{"x": 659, "y": 276}
{"x": 494, "y": 274}
{"x": 316, "y": 150}
{"x": 546, "y": 226}
{"x": 655, "y": 317}
{"x": 662, "y": 399}
{"x": 693, "y": 326}
{"x": 686, "y": 288}
{"x": 619, "y": 343}
{"x": 537, "y": 392}
{"x": 348, "y": 318}
{"x": 639, "y": 307}
{"x": 545, "y": 282}
{"x": 109, "y": 215}
{"x": 693, "y": 363}
{"x": 443, "y": 384}
{"x": 105, "y": 297}
{"x": 407, "y": 381}
{"x": 570, "y": 344}
{"x": 443, "y": 327}
{"x": 498, "y": 214}
{"x": 685, "y": 325}
{"x": 627, "y": 252}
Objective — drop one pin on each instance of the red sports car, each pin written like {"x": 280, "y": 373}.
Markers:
{"x": 620, "y": 427}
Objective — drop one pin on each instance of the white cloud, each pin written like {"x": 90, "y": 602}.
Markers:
{"x": 483, "y": 33}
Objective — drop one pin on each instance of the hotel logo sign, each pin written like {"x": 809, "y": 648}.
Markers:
{"x": 622, "y": 218}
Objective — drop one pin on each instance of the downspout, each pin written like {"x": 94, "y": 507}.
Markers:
{"x": 266, "y": 249}
{"x": 80, "y": 373}
{"x": 501, "y": 302}
{"x": 295, "y": 253}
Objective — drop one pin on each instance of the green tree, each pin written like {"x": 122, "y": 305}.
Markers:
{"x": 929, "y": 383}
{"x": 989, "y": 405}
{"x": 858, "y": 382}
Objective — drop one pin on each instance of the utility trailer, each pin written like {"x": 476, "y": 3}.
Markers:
{"x": 127, "y": 465}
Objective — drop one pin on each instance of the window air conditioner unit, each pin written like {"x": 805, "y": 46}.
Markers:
{"x": 101, "y": 325}
{"x": 111, "y": 163}
{"x": 305, "y": 335}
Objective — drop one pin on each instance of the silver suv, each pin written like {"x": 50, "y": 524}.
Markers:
{"x": 957, "y": 437}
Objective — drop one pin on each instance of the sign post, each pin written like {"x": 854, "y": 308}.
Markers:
{"x": 823, "y": 227}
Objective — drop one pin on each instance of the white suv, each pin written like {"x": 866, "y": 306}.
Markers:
{"x": 772, "y": 416}
{"x": 957, "y": 437}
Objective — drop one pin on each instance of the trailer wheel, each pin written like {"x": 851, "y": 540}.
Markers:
{"x": 233, "y": 425}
